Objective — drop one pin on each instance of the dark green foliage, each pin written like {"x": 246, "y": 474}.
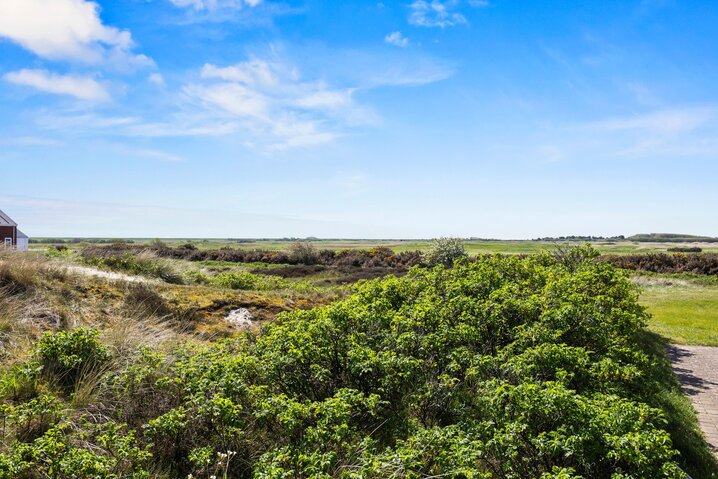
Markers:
{"x": 444, "y": 251}
{"x": 66, "y": 355}
{"x": 504, "y": 367}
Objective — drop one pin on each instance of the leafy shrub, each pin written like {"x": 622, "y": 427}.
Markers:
{"x": 60, "y": 454}
{"x": 303, "y": 252}
{"x": 66, "y": 355}
{"x": 501, "y": 368}
{"x": 445, "y": 251}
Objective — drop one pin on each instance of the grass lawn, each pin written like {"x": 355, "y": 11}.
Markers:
{"x": 684, "y": 309}
{"x": 473, "y": 247}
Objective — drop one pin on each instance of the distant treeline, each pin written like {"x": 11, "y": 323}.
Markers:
{"x": 580, "y": 238}
{"x": 672, "y": 238}
{"x": 706, "y": 263}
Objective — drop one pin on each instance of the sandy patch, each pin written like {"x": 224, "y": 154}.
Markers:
{"x": 98, "y": 273}
{"x": 240, "y": 318}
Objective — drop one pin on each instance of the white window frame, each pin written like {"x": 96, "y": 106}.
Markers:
{"x": 8, "y": 242}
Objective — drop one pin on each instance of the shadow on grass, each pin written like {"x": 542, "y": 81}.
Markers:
{"x": 664, "y": 392}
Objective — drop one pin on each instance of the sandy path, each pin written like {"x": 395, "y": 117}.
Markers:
{"x": 697, "y": 371}
{"x": 87, "y": 271}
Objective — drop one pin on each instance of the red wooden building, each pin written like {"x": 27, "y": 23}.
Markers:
{"x": 10, "y": 236}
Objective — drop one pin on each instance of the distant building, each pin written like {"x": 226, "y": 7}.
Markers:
{"x": 10, "y": 236}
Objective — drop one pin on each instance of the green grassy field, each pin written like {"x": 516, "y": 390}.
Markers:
{"x": 684, "y": 309}
{"x": 472, "y": 246}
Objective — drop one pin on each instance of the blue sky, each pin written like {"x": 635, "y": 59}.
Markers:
{"x": 260, "y": 118}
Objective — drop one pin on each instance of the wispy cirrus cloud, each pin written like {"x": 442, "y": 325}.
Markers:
{"x": 441, "y": 13}
{"x": 81, "y": 87}
{"x": 273, "y": 100}
{"x": 268, "y": 103}
{"x": 689, "y": 131}
{"x": 668, "y": 121}
{"x": 214, "y": 4}
{"x": 67, "y": 30}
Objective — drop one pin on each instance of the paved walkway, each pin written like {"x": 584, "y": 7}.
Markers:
{"x": 697, "y": 371}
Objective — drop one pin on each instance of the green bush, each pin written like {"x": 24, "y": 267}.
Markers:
{"x": 444, "y": 251}
{"x": 303, "y": 252}
{"x": 502, "y": 368}
{"x": 66, "y": 355}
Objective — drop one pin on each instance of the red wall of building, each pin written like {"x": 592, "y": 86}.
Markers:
{"x": 8, "y": 232}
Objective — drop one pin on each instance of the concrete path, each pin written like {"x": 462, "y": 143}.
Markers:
{"x": 697, "y": 371}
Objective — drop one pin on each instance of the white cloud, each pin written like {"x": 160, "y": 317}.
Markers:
{"x": 664, "y": 133}
{"x": 435, "y": 13}
{"x": 670, "y": 121}
{"x": 233, "y": 98}
{"x": 214, "y": 4}
{"x": 156, "y": 79}
{"x": 397, "y": 39}
{"x": 67, "y": 30}
{"x": 271, "y": 100}
{"x": 266, "y": 104}
{"x": 440, "y": 13}
{"x": 157, "y": 155}
{"x": 254, "y": 73}
{"x": 82, "y": 87}
{"x": 329, "y": 99}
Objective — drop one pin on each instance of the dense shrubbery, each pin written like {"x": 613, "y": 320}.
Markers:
{"x": 706, "y": 263}
{"x": 65, "y": 356}
{"x": 685, "y": 249}
{"x": 371, "y": 258}
{"x": 504, "y": 367}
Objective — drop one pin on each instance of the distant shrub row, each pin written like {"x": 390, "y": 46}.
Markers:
{"x": 375, "y": 257}
{"x": 685, "y": 249}
{"x": 667, "y": 263}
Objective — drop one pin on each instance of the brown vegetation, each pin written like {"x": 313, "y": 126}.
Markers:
{"x": 370, "y": 258}
{"x": 667, "y": 263}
